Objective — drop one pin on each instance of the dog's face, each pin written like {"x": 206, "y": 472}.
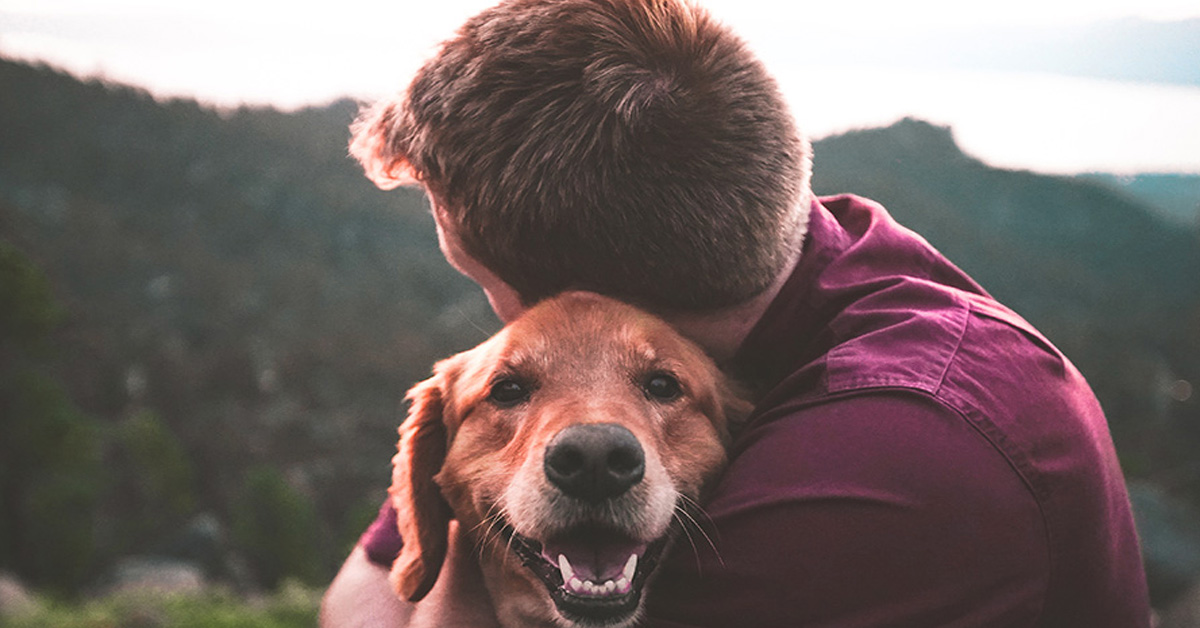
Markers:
{"x": 569, "y": 447}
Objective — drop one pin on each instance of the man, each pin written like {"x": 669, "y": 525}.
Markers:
{"x": 919, "y": 455}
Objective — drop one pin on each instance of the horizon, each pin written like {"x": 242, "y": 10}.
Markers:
{"x": 312, "y": 55}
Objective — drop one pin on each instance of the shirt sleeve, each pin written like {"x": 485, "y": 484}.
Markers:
{"x": 382, "y": 541}
{"x": 879, "y": 509}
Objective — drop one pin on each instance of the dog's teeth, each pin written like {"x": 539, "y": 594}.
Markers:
{"x": 579, "y": 586}
{"x": 564, "y": 566}
{"x": 630, "y": 567}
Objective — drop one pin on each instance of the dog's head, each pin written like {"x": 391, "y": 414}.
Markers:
{"x": 570, "y": 445}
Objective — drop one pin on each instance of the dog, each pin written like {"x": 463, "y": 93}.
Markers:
{"x": 571, "y": 447}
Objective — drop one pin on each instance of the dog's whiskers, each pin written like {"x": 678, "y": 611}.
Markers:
{"x": 685, "y": 513}
{"x": 491, "y": 525}
{"x": 494, "y": 532}
{"x": 470, "y": 321}
{"x": 687, "y": 533}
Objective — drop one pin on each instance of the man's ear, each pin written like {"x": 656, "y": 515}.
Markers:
{"x": 735, "y": 405}
{"x": 378, "y": 141}
{"x": 737, "y": 410}
{"x": 422, "y": 515}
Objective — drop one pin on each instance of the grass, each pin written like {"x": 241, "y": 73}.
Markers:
{"x": 293, "y": 606}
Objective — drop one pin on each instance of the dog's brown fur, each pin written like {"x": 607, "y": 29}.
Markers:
{"x": 585, "y": 359}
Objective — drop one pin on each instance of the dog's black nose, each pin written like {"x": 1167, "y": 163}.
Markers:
{"x": 594, "y": 461}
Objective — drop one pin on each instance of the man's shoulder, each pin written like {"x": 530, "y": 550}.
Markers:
{"x": 1000, "y": 428}
{"x": 873, "y": 305}
{"x": 858, "y": 503}
{"x": 884, "y": 431}
{"x": 968, "y": 360}
{"x": 911, "y": 333}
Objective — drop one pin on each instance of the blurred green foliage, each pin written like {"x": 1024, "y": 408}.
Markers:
{"x": 276, "y": 528}
{"x": 27, "y": 310}
{"x": 50, "y": 480}
{"x": 154, "y": 480}
{"x": 292, "y": 606}
{"x": 236, "y": 296}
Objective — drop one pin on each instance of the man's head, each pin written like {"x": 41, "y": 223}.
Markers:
{"x": 633, "y": 148}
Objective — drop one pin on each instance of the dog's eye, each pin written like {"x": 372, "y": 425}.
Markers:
{"x": 662, "y": 387}
{"x": 507, "y": 392}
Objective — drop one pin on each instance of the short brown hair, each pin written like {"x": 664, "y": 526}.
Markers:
{"x": 634, "y": 148}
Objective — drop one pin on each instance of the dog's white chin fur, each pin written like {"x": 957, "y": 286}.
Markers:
{"x": 539, "y": 511}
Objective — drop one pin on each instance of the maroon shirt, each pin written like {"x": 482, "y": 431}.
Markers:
{"x": 921, "y": 457}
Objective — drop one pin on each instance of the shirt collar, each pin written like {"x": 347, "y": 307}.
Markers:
{"x": 792, "y": 328}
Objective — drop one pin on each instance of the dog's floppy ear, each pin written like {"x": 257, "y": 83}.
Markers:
{"x": 378, "y": 140}
{"x": 422, "y": 515}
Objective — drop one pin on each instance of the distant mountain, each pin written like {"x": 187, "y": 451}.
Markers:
{"x": 1176, "y": 196}
{"x": 234, "y": 274}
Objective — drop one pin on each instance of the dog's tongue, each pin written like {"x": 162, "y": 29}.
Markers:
{"x": 594, "y": 555}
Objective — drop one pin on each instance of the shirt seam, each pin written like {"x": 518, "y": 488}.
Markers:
{"x": 930, "y": 383}
{"x": 1012, "y": 453}
{"x": 1017, "y": 458}
{"x": 996, "y": 438}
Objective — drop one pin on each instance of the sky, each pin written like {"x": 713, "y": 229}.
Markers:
{"x": 231, "y": 52}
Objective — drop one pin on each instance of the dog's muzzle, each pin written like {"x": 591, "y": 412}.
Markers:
{"x": 593, "y": 571}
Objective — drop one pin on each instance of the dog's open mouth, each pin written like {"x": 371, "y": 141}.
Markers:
{"x": 594, "y": 574}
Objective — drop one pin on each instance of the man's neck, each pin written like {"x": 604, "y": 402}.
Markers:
{"x": 722, "y": 332}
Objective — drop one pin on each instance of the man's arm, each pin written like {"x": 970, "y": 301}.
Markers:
{"x": 877, "y": 511}
{"x": 361, "y": 596}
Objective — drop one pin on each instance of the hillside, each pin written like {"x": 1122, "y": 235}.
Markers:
{"x": 234, "y": 274}
{"x": 1175, "y": 196}
{"x": 237, "y": 300}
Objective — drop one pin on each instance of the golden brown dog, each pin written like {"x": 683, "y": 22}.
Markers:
{"x": 570, "y": 447}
